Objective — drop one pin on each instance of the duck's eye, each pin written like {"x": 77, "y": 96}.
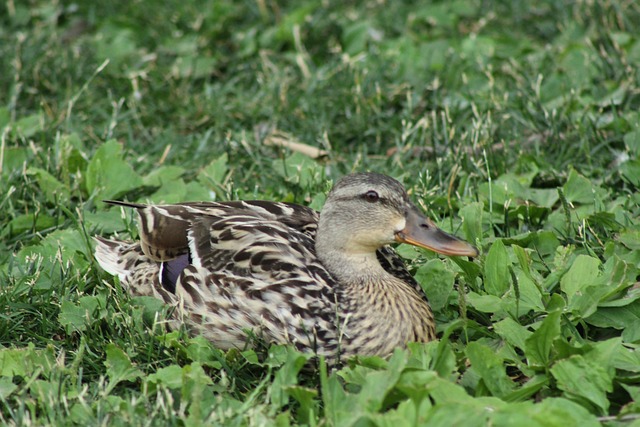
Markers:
{"x": 371, "y": 196}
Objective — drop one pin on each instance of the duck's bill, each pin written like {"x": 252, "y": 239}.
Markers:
{"x": 421, "y": 231}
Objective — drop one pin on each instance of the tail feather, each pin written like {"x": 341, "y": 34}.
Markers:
{"x": 135, "y": 270}
{"x": 125, "y": 204}
{"x": 109, "y": 255}
{"x": 124, "y": 259}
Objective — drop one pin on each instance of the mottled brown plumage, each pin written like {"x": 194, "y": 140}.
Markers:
{"x": 327, "y": 283}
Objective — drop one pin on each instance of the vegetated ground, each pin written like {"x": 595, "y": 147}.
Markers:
{"x": 513, "y": 124}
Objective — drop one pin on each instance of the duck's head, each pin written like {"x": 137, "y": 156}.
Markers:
{"x": 366, "y": 211}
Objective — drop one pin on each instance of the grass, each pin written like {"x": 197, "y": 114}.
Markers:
{"x": 515, "y": 125}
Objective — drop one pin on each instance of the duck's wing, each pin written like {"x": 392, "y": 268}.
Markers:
{"x": 232, "y": 267}
{"x": 163, "y": 228}
{"x": 248, "y": 272}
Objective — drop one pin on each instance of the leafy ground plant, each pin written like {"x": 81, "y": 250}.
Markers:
{"x": 514, "y": 125}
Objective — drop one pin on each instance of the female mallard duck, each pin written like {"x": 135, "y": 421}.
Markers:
{"x": 327, "y": 283}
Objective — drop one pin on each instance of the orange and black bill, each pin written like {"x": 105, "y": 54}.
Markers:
{"x": 421, "y": 231}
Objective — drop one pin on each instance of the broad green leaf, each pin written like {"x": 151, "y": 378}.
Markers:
{"x": 356, "y": 36}
{"x": 578, "y": 189}
{"x": 214, "y": 173}
{"x": 68, "y": 246}
{"x": 582, "y": 274}
{"x": 28, "y": 126}
{"x": 630, "y": 238}
{"x": 403, "y": 416}
{"x": 318, "y": 202}
{"x": 479, "y": 47}
{"x": 523, "y": 258}
{"x": 485, "y": 303}
{"x": 436, "y": 356}
{"x": 581, "y": 378}
{"x": 194, "y": 66}
{"x": 201, "y": 350}
{"x": 72, "y": 159}
{"x": 173, "y": 192}
{"x": 340, "y": 408}
{"x": 24, "y": 362}
{"x": 415, "y": 384}
{"x": 68, "y": 242}
{"x": 119, "y": 366}
{"x": 5, "y": 117}
{"x": 299, "y": 169}
{"x": 252, "y": 358}
{"x": 627, "y": 359}
{"x": 632, "y": 141}
{"x": 551, "y": 412}
{"x": 193, "y": 391}
{"x": 630, "y": 172}
{"x": 105, "y": 222}
{"x": 504, "y": 190}
{"x": 528, "y": 389}
{"x": 471, "y": 269}
{"x": 631, "y": 334}
{"x": 538, "y": 345}
{"x": 286, "y": 377}
{"x": 437, "y": 280}
{"x": 27, "y": 222}
{"x": 73, "y": 317}
{"x": 446, "y": 392}
{"x": 604, "y": 353}
{"x": 170, "y": 376}
{"x": 164, "y": 175}
{"x": 577, "y": 62}
{"x": 545, "y": 244}
{"x": 512, "y": 332}
{"x": 6, "y": 387}
{"x": 556, "y": 302}
{"x": 54, "y": 190}
{"x": 455, "y": 411}
{"x": 117, "y": 43}
{"x": 530, "y": 297}
{"x": 546, "y": 198}
{"x": 468, "y": 414}
{"x": 13, "y": 362}
{"x": 306, "y": 398}
{"x": 379, "y": 383}
{"x": 490, "y": 367}
{"x": 14, "y": 158}
{"x": 108, "y": 176}
{"x": 151, "y": 309}
{"x": 496, "y": 270}
{"x": 528, "y": 214}
{"x": 471, "y": 215}
{"x": 194, "y": 190}
{"x": 617, "y": 276}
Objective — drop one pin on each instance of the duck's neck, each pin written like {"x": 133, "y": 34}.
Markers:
{"x": 378, "y": 311}
{"x": 351, "y": 267}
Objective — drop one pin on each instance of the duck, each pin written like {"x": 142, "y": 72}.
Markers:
{"x": 329, "y": 283}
